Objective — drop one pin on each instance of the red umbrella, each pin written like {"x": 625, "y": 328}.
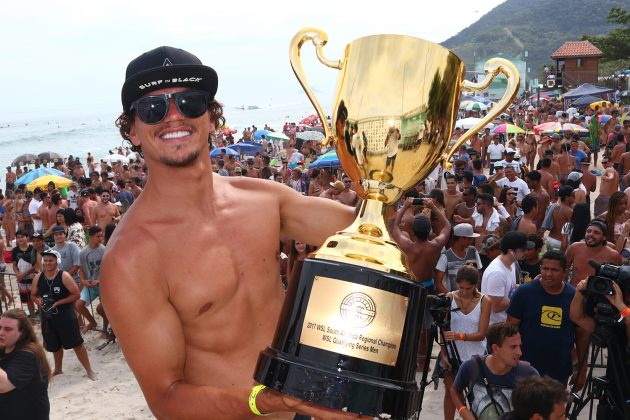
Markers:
{"x": 310, "y": 120}
{"x": 227, "y": 131}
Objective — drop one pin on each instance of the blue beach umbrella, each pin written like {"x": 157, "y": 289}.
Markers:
{"x": 37, "y": 173}
{"x": 327, "y": 160}
{"x": 259, "y": 133}
{"x": 246, "y": 146}
{"x": 217, "y": 152}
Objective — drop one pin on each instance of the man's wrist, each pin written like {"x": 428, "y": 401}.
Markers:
{"x": 253, "y": 407}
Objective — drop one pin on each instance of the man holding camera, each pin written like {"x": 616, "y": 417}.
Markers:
{"x": 596, "y": 309}
{"x": 539, "y": 308}
{"x": 55, "y": 291}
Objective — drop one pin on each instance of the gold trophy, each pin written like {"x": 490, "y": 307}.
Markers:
{"x": 349, "y": 329}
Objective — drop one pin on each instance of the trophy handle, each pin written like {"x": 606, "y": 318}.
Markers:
{"x": 493, "y": 67}
{"x": 319, "y": 39}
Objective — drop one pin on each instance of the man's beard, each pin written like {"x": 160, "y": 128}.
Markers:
{"x": 595, "y": 245}
{"x": 186, "y": 161}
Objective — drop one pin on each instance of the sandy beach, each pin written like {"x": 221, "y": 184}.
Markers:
{"x": 116, "y": 394}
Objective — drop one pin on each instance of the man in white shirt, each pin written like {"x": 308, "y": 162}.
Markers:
{"x": 514, "y": 182}
{"x": 33, "y": 210}
{"x": 509, "y": 160}
{"x": 495, "y": 150}
{"x": 500, "y": 277}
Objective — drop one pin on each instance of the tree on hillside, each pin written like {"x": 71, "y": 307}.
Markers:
{"x": 615, "y": 45}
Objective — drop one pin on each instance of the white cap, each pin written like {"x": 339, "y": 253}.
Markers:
{"x": 498, "y": 164}
{"x": 574, "y": 176}
{"x": 464, "y": 230}
{"x": 509, "y": 150}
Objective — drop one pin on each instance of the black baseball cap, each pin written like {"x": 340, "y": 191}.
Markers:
{"x": 166, "y": 67}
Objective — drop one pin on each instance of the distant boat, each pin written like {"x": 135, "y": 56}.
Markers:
{"x": 253, "y": 107}
{"x": 242, "y": 107}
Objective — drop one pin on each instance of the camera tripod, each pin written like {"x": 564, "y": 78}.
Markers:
{"x": 612, "y": 391}
{"x": 436, "y": 333}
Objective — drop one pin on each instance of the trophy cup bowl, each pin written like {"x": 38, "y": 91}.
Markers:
{"x": 349, "y": 329}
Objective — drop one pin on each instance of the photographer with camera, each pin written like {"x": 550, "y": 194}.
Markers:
{"x": 539, "y": 309}
{"x": 55, "y": 291}
{"x": 470, "y": 315}
{"x": 24, "y": 369}
{"x": 421, "y": 251}
{"x": 599, "y": 307}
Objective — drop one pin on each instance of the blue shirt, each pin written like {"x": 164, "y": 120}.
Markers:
{"x": 578, "y": 155}
{"x": 547, "y": 332}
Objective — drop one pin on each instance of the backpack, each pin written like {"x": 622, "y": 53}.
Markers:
{"x": 496, "y": 400}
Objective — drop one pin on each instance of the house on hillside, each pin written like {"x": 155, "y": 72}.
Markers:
{"x": 577, "y": 62}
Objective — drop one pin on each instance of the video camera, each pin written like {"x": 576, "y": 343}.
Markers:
{"x": 439, "y": 306}
{"x": 47, "y": 306}
{"x": 605, "y": 274}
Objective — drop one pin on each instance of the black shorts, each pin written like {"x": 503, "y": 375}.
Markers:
{"x": 25, "y": 292}
{"x": 66, "y": 334}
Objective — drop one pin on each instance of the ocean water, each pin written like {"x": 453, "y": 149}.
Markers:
{"x": 75, "y": 130}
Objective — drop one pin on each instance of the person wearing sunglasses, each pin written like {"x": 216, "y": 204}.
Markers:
{"x": 190, "y": 277}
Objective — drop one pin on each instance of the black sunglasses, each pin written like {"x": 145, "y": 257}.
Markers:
{"x": 153, "y": 109}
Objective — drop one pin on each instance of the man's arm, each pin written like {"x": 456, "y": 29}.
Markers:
{"x": 295, "y": 208}
{"x": 445, "y": 231}
{"x": 73, "y": 289}
{"x": 495, "y": 292}
{"x": 153, "y": 323}
{"x": 576, "y": 311}
{"x": 5, "y": 383}
{"x": 402, "y": 240}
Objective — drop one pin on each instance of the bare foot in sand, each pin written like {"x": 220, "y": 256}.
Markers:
{"x": 57, "y": 372}
{"x": 92, "y": 375}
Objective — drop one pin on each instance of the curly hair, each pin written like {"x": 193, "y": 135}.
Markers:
{"x": 125, "y": 121}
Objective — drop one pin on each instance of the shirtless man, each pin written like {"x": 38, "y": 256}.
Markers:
{"x": 608, "y": 185}
{"x": 88, "y": 207}
{"x": 588, "y": 179}
{"x": 625, "y": 130}
{"x": 464, "y": 210}
{"x": 232, "y": 164}
{"x": 452, "y": 197}
{"x": 542, "y": 197}
{"x": 527, "y": 224}
{"x": 252, "y": 171}
{"x": 487, "y": 139}
{"x": 349, "y": 196}
{"x": 9, "y": 219}
{"x": 547, "y": 180}
{"x": 592, "y": 247}
{"x": 565, "y": 162}
{"x": 135, "y": 186}
{"x": 43, "y": 211}
{"x": 192, "y": 337}
{"x": 10, "y": 179}
{"x": 561, "y": 215}
{"x": 476, "y": 143}
{"x": 422, "y": 252}
{"x": 106, "y": 183}
{"x": 105, "y": 212}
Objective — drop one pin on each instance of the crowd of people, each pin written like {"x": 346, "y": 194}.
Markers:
{"x": 506, "y": 235}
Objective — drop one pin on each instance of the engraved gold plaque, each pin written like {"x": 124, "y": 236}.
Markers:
{"x": 354, "y": 320}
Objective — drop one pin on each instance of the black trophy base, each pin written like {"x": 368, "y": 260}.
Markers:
{"x": 342, "y": 381}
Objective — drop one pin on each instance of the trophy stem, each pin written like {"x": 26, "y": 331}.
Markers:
{"x": 367, "y": 243}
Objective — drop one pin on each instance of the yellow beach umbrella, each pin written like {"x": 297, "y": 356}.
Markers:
{"x": 600, "y": 104}
{"x": 42, "y": 182}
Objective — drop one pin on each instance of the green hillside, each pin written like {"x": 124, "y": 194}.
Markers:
{"x": 536, "y": 26}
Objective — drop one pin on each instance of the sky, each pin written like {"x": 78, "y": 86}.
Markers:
{"x": 69, "y": 54}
